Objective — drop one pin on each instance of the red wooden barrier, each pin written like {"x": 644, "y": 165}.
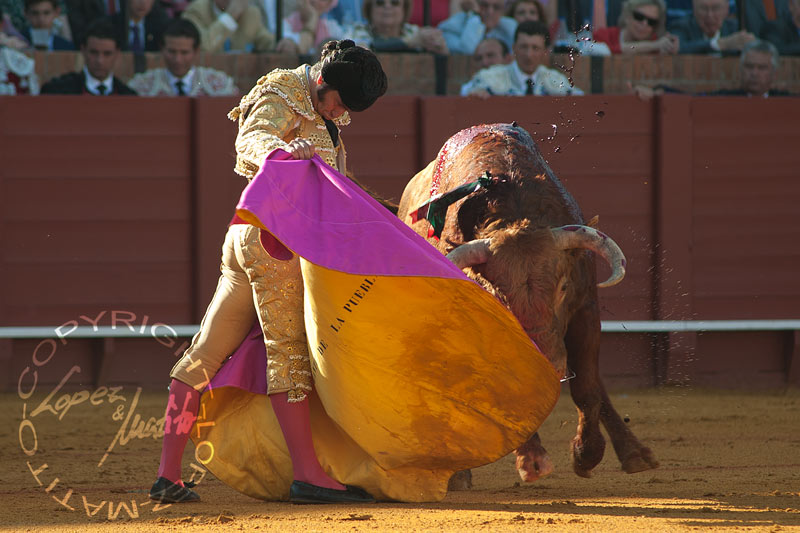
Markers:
{"x": 121, "y": 204}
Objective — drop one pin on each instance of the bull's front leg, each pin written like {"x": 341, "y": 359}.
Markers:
{"x": 594, "y": 405}
{"x": 582, "y": 342}
{"x": 532, "y": 460}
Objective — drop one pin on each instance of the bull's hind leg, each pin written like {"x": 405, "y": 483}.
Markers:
{"x": 583, "y": 345}
{"x": 634, "y": 456}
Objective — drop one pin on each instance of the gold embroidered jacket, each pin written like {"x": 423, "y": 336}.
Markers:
{"x": 277, "y": 110}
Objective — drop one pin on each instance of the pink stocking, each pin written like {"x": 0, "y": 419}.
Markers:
{"x": 295, "y": 422}
{"x": 181, "y": 413}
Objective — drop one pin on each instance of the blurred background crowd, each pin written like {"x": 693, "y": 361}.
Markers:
{"x": 509, "y": 41}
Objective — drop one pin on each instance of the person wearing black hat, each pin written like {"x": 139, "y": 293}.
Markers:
{"x": 299, "y": 111}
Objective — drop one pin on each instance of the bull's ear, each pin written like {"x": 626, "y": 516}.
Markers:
{"x": 594, "y": 222}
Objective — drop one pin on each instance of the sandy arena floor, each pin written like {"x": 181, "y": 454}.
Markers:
{"x": 729, "y": 462}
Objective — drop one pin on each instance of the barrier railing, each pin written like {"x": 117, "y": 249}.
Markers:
{"x": 607, "y": 326}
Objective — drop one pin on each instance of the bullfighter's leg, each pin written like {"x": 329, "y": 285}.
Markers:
{"x": 532, "y": 460}
{"x": 583, "y": 345}
{"x": 278, "y": 297}
{"x": 227, "y": 320}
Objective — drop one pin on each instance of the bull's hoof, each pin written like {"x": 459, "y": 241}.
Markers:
{"x": 587, "y": 455}
{"x": 532, "y": 467}
{"x": 461, "y": 480}
{"x": 639, "y": 461}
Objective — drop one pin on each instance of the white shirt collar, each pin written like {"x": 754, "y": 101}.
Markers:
{"x": 92, "y": 83}
{"x": 520, "y": 76}
{"x": 187, "y": 80}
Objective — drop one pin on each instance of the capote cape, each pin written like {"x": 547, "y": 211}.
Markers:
{"x": 418, "y": 372}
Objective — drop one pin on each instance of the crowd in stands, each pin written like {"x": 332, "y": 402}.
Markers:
{"x": 510, "y": 40}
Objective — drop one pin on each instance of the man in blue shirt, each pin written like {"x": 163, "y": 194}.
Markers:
{"x": 463, "y": 31}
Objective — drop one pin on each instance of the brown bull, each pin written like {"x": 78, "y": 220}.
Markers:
{"x": 523, "y": 238}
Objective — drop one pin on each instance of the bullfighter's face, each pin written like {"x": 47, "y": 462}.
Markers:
{"x": 327, "y": 101}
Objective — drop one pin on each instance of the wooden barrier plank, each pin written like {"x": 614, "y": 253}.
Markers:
{"x": 746, "y": 229}
{"x": 673, "y": 222}
{"x": 215, "y": 192}
{"x": 383, "y": 145}
{"x": 92, "y": 162}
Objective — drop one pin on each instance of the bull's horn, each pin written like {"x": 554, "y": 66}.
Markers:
{"x": 470, "y": 253}
{"x": 575, "y": 236}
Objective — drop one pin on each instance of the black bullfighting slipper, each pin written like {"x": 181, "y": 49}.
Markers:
{"x": 301, "y": 492}
{"x": 165, "y": 491}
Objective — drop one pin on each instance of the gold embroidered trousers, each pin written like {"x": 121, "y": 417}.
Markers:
{"x": 253, "y": 285}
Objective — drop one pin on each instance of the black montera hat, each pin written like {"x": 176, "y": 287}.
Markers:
{"x": 355, "y": 72}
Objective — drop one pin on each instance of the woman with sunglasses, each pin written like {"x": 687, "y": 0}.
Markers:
{"x": 640, "y": 30}
{"x": 388, "y": 30}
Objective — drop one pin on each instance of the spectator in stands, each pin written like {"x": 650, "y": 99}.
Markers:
{"x": 9, "y": 36}
{"x": 522, "y": 10}
{"x": 17, "y": 72}
{"x": 640, "y": 31}
{"x": 41, "y": 15}
{"x": 100, "y": 53}
{"x": 229, "y": 25}
{"x": 463, "y": 31}
{"x": 758, "y": 67}
{"x": 174, "y": 8}
{"x": 759, "y": 12}
{"x": 527, "y": 75}
{"x": 439, "y": 12}
{"x": 387, "y": 30}
{"x": 181, "y": 77}
{"x": 81, "y": 13}
{"x": 784, "y": 33}
{"x": 140, "y": 27}
{"x": 309, "y": 28}
{"x": 13, "y": 17}
{"x": 348, "y": 13}
{"x": 708, "y": 29}
{"x": 489, "y": 52}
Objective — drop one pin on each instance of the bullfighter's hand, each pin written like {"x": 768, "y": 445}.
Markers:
{"x": 301, "y": 148}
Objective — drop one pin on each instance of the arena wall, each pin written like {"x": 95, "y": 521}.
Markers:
{"x": 118, "y": 206}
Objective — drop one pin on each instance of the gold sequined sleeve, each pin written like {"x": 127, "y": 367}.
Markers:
{"x": 268, "y": 126}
